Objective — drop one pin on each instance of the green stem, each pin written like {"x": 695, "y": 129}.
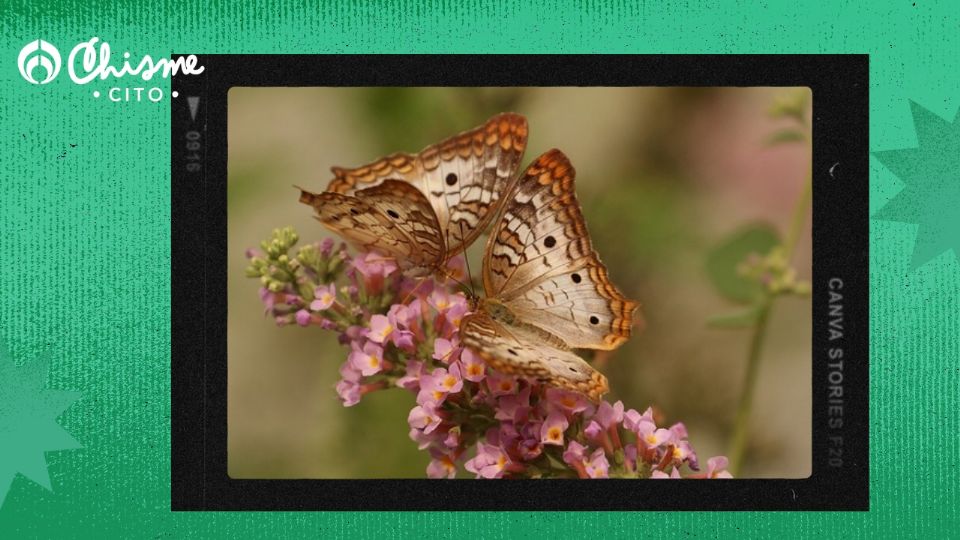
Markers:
{"x": 800, "y": 211}
{"x": 742, "y": 421}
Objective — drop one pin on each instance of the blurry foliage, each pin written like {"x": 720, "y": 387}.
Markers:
{"x": 724, "y": 262}
{"x": 660, "y": 155}
{"x": 753, "y": 266}
{"x": 404, "y": 116}
{"x": 646, "y": 220}
{"x": 786, "y": 135}
{"x": 246, "y": 183}
{"x": 369, "y": 439}
{"x": 793, "y": 107}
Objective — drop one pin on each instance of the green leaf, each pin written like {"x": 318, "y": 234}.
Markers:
{"x": 723, "y": 262}
{"x": 739, "y": 319}
{"x": 792, "y": 105}
{"x": 785, "y": 136}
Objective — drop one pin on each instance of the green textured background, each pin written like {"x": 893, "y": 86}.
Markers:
{"x": 85, "y": 247}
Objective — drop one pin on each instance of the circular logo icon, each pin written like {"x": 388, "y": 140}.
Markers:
{"x": 35, "y": 54}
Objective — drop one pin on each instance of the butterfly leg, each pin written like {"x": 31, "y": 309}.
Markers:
{"x": 420, "y": 282}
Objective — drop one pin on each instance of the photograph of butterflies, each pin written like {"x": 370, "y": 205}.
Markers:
{"x": 519, "y": 283}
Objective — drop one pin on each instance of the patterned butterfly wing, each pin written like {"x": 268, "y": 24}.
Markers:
{"x": 463, "y": 177}
{"x": 540, "y": 264}
{"x": 517, "y": 350}
{"x": 392, "y": 218}
{"x": 410, "y": 212}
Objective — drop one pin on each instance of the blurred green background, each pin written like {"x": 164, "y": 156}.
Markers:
{"x": 665, "y": 175}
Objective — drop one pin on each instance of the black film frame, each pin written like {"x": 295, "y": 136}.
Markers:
{"x": 839, "y": 85}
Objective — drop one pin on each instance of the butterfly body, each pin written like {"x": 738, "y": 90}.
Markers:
{"x": 497, "y": 310}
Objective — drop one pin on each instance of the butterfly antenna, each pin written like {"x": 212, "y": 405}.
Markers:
{"x": 445, "y": 270}
{"x": 466, "y": 288}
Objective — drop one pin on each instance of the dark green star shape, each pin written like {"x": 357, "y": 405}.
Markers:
{"x": 931, "y": 198}
{"x": 28, "y": 421}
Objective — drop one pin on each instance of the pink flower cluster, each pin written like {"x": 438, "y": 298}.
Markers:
{"x": 404, "y": 333}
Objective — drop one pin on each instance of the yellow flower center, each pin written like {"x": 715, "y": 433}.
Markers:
{"x": 474, "y": 369}
{"x": 449, "y": 381}
{"x": 374, "y": 361}
{"x": 554, "y": 434}
{"x": 651, "y": 439}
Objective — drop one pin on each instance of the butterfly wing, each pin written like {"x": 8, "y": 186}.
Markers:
{"x": 392, "y": 218}
{"x": 409, "y": 211}
{"x": 515, "y": 350}
{"x": 463, "y": 177}
{"x": 540, "y": 263}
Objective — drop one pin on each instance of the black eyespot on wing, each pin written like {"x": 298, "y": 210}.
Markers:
{"x": 354, "y": 211}
{"x": 550, "y": 241}
{"x": 573, "y": 369}
{"x": 393, "y": 213}
{"x": 451, "y": 179}
{"x": 594, "y": 319}
{"x": 576, "y": 278}
{"x": 511, "y": 351}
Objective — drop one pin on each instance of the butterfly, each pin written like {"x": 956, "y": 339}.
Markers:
{"x": 422, "y": 209}
{"x": 546, "y": 291}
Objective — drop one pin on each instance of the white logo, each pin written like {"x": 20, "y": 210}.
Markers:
{"x": 39, "y": 53}
{"x": 93, "y": 61}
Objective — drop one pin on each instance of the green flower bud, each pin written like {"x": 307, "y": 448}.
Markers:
{"x": 334, "y": 265}
{"x": 306, "y": 290}
{"x": 618, "y": 456}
